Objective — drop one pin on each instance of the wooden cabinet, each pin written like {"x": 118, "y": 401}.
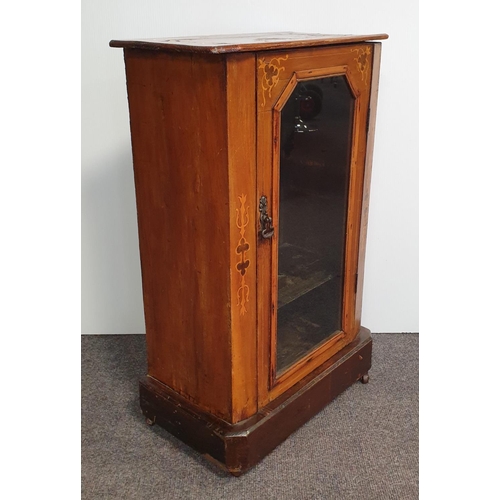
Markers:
{"x": 252, "y": 159}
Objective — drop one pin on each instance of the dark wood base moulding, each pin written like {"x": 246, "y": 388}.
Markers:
{"x": 238, "y": 447}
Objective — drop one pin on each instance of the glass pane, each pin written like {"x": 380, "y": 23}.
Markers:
{"x": 316, "y": 126}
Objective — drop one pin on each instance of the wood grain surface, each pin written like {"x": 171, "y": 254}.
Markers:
{"x": 179, "y": 138}
{"x": 251, "y": 42}
{"x": 243, "y": 232}
{"x": 377, "y": 48}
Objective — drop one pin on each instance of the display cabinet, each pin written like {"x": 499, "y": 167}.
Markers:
{"x": 252, "y": 157}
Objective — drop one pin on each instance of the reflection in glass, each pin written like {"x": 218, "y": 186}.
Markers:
{"x": 316, "y": 126}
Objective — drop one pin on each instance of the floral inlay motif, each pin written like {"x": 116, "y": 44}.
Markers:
{"x": 270, "y": 75}
{"x": 363, "y": 61}
{"x": 242, "y": 220}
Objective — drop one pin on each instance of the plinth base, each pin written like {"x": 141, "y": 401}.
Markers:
{"x": 238, "y": 447}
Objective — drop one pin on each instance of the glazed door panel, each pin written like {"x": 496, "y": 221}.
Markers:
{"x": 312, "y": 110}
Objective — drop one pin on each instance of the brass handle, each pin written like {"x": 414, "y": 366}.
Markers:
{"x": 266, "y": 223}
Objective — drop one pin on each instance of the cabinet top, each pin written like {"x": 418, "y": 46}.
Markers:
{"x": 221, "y": 44}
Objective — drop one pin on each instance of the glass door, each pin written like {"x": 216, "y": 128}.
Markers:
{"x": 314, "y": 164}
{"x": 311, "y": 144}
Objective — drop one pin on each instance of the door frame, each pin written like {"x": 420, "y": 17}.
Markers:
{"x": 277, "y": 75}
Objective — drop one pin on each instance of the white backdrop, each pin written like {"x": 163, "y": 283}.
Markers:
{"x": 111, "y": 284}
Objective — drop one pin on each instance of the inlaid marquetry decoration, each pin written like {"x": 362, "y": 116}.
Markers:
{"x": 362, "y": 60}
{"x": 270, "y": 75}
{"x": 242, "y": 220}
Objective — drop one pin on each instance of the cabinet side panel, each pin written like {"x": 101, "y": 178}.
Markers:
{"x": 243, "y": 209}
{"x": 377, "y": 47}
{"x": 178, "y": 125}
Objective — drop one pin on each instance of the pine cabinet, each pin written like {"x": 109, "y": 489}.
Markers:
{"x": 252, "y": 159}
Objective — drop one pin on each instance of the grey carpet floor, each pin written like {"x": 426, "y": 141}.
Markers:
{"x": 363, "y": 446}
